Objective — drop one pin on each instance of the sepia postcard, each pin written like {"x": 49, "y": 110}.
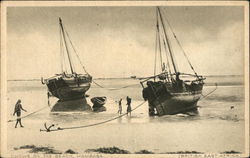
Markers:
{"x": 92, "y": 79}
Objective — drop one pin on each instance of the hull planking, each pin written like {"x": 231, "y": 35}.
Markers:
{"x": 69, "y": 88}
{"x": 169, "y": 99}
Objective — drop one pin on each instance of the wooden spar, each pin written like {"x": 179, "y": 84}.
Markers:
{"x": 168, "y": 42}
{"x": 156, "y": 43}
{"x": 61, "y": 52}
{"x": 159, "y": 41}
{"x": 66, "y": 46}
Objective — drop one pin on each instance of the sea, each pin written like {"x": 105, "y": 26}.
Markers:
{"x": 217, "y": 128}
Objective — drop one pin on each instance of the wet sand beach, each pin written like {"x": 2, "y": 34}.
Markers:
{"x": 216, "y": 129}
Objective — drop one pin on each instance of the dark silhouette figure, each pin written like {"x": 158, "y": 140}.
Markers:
{"x": 120, "y": 107}
{"x": 17, "y": 111}
{"x": 129, "y": 109}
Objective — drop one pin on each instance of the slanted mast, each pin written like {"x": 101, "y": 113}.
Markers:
{"x": 170, "y": 95}
{"x": 168, "y": 42}
{"x": 66, "y": 45}
{"x": 162, "y": 36}
{"x": 68, "y": 85}
{"x": 66, "y": 41}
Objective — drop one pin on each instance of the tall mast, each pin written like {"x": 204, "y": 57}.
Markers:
{"x": 66, "y": 46}
{"x": 168, "y": 42}
{"x": 62, "y": 52}
{"x": 156, "y": 43}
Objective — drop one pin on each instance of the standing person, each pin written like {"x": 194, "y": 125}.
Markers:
{"x": 17, "y": 111}
{"x": 120, "y": 106}
{"x": 129, "y": 105}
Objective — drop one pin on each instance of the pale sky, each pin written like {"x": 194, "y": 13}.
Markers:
{"x": 120, "y": 41}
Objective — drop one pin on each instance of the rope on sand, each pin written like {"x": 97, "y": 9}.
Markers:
{"x": 48, "y": 129}
{"x": 203, "y": 96}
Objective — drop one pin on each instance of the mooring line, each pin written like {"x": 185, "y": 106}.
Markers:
{"x": 90, "y": 75}
{"x": 84, "y": 126}
{"x": 204, "y": 96}
{"x": 112, "y": 89}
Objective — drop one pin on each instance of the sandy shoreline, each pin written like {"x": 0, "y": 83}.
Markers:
{"x": 101, "y": 150}
{"x": 217, "y": 125}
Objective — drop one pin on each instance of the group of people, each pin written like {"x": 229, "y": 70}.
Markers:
{"x": 19, "y": 108}
{"x": 129, "y": 109}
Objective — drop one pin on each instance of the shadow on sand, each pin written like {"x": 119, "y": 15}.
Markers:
{"x": 71, "y": 105}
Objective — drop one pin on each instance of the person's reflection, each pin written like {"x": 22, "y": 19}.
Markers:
{"x": 128, "y": 119}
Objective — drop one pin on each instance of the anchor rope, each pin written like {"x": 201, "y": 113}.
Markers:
{"x": 204, "y": 96}
{"x": 98, "y": 123}
{"x": 111, "y": 89}
{"x": 95, "y": 124}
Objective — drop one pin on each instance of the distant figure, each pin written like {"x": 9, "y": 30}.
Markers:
{"x": 48, "y": 95}
{"x": 177, "y": 76}
{"x": 17, "y": 111}
{"x": 129, "y": 105}
{"x": 120, "y": 106}
{"x": 232, "y": 107}
{"x": 163, "y": 67}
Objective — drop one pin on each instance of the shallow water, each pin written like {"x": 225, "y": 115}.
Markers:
{"x": 216, "y": 128}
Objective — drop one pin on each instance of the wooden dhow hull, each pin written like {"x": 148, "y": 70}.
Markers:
{"x": 69, "y": 88}
{"x": 177, "y": 103}
{"x": 167, "y": 99}
{"x": 169, "y": 93}
{"x": 68, "y": 85}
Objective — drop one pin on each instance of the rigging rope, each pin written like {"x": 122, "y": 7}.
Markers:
{"x": 87, "y": 71}
{"x": 204, "y": 96}
{"x": 180, "y": 45}
{"x": 89, "y": 74}
{"x": 168, "y": 43}
{"x": 132, "y": 85}
{"x": 76, "y": 52}
{"x": 84, "y": 126}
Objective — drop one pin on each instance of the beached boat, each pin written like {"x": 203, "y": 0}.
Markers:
{"x": 168, "y": 93}
{"x": 98, "y": 104}
{"x": 72, "y": 85}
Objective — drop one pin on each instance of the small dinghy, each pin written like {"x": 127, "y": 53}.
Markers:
{"x": 98, "y": 103}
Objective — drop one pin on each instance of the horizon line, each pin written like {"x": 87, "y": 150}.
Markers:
{"x": 36, "y": 79}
